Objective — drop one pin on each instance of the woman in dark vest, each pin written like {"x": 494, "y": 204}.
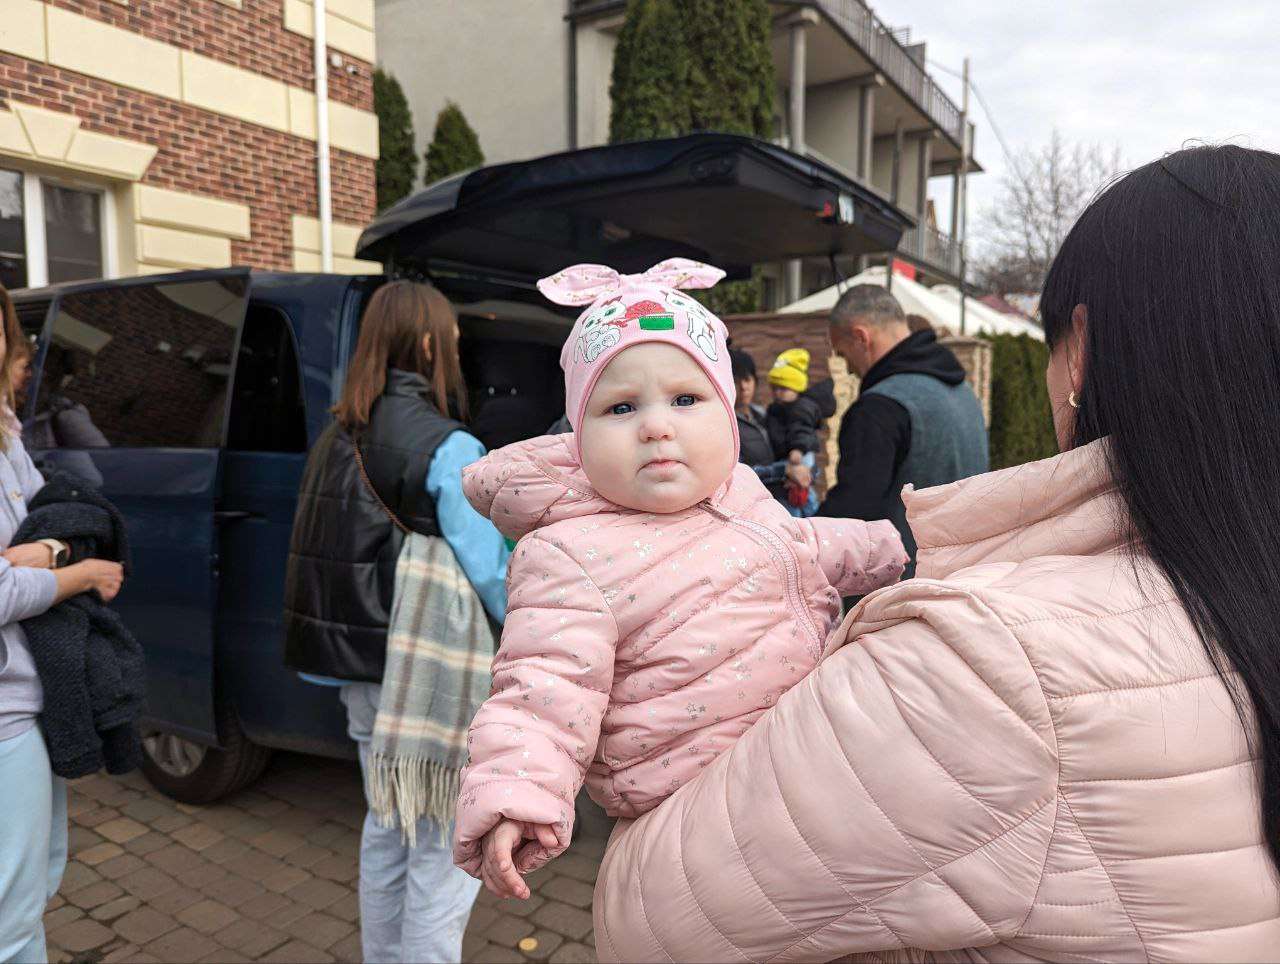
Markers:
{"x": 386, "y": 548}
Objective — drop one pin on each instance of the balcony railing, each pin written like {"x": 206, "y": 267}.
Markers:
{"x": 866, "y": 31}
{"x": 877, "y": 41}
{"x": 932, "y": 247}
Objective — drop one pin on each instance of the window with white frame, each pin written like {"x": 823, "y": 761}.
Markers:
{"x": 53, "y": 229}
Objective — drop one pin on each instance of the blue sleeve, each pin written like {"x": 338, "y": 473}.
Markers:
{"x": 771, "y": 473}
{"x": 480, "y": 548}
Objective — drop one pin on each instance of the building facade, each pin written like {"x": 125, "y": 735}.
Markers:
{"x": 533, "y": 78}
{"x": 141, "y": 136}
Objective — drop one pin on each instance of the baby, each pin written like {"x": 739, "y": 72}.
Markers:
{"x": 659, "y": 600}
{"x": 795, "y": 418}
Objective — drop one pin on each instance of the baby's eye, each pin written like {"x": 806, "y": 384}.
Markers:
{"x": 622, "y": 408}
{"x": 684, "y": 401}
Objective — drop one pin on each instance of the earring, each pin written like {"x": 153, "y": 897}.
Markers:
{"x": 1072, "y": 400}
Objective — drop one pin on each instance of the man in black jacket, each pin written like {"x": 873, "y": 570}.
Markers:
{"x": 915, "y": 421}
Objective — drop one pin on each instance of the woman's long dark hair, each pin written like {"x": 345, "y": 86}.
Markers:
{"x": 400, "y": 314}
{"x": 1178, "y": 266}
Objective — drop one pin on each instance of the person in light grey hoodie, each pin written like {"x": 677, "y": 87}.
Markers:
{"x": 33, "y": 831}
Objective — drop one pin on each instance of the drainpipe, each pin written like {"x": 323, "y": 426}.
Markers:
{"x": 323, "y": 184}
{"x": 572, "y": 99}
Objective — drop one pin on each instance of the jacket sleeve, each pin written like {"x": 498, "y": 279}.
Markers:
{"x": 535, "y": 736}
{"x": 856, "y": 556}
{"x": 478, "y": 546}
{"x": 874, "y": 438}
{"x": 804, "y": 425}
{"x": 929, "y": 828}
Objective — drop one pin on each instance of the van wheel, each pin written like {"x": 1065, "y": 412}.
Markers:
{"x": 193, "y": 773}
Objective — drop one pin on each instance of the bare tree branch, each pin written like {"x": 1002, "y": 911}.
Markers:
{"x": 1041, "y": 195}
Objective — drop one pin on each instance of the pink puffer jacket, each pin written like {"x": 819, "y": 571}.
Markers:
{"x": 1022, "y": 755}
{"x": 667, "y": 636}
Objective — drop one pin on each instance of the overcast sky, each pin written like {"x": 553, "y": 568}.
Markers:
{"x": 1142, "y": 74}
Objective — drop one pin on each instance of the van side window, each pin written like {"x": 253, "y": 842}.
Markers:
{"x": 139, "y": 366}
{"x": 267, "y": 410}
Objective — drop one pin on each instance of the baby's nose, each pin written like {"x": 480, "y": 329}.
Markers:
{"x": 655, "y": 426}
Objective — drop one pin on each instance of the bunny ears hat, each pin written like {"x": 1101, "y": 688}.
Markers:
{"x": 625, "y": 310}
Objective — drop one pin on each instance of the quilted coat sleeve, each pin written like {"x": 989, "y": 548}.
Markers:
{"x": 929, "y": 828}
{"x": 533, "y": 739}
{"x": 857, "y": 556}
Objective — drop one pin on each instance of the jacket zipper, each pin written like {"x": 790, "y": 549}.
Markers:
{"x": 784, "y": 554}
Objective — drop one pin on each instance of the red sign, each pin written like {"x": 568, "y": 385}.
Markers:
{"x": 904, "y": 269}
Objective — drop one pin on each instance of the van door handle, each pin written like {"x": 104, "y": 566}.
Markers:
{"x": 234, "y": 515}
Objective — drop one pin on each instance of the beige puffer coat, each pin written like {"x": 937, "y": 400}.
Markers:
{"x": 1023, "y": 755}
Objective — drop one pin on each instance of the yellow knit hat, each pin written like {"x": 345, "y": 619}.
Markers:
{"x": 791, "y": 370}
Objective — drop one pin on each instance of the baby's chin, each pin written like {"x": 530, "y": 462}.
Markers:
{"x": 665, "y": 498}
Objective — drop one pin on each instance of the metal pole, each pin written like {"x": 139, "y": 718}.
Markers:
{"x": 964, "y": 186}
{"x": 795, "y": 112}
{"x": 323, "y": 184}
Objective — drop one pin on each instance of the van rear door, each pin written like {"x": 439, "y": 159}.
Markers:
{"x": 131, "y": 394}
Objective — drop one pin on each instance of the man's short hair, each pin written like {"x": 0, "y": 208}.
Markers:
{"x": 744, "y": 366}
{"x": 871, "y": 304}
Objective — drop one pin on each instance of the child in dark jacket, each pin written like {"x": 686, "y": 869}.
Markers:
{"x": 795, "y": 418}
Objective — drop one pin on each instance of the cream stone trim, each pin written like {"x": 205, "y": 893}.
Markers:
{"x": 350, "y": 129}
{"x": 348, "y": 25}
{"x": 306, "y": 247}
{"x": 50, "y": 133}
{"x": 22, "y": 29}
{"x": 181, "y": 249}
{"x": 232, "y": 3}
{"x": 37, "y": 31}
{"x": 100, "y": 50}
{"x": 302, "y": 113}
{"x": 234, "y": 91}
{"x": 174, "y": 209}
{"x": 54, "y": 138}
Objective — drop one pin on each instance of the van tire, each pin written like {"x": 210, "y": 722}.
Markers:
{"x": 221, "y": 771}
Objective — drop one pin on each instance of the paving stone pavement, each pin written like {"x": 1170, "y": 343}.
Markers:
{"x": 269, "y": 874}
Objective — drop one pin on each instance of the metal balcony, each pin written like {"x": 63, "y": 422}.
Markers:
{"x": 931, "y": 247}
{"x": 866, "y": 31}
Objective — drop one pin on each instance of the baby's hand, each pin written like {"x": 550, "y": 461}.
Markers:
{"x": 498, "y": 865}
{"x": 795, "y": 457}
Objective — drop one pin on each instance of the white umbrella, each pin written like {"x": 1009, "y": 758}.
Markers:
{"x": 982, "y": 319}
{"x": 914, "y": 297}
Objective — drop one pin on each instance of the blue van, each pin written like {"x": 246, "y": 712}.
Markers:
{"x": 191, "y": 398}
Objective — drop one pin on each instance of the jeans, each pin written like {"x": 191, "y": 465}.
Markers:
{"x": 33, "y": 844}
{"x": 414, "y": 903}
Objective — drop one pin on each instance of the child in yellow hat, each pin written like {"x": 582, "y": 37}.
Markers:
{"x": 795, "y": 418}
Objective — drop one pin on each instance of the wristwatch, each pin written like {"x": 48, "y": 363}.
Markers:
{"x": 59, "y": 551}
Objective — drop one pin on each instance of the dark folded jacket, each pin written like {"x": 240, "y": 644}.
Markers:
{"x": 90, "y": 666}
{"x": 795, "y": 425}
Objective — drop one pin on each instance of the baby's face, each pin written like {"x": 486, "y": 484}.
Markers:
{"x": 784, "y": 395}
{"x": 655, "y": 435}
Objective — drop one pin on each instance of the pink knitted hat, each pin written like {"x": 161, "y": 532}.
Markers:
{"x": 632, "y": 309}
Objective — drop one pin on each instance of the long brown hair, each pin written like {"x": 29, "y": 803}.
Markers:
{"x": 13, "y": 341}
{"x": 399, "y": 316}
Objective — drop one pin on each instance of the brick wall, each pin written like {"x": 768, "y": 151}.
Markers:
{"x": 252, "y": 37}
{"x": 766, "y": 337}
{"x": 206, "y": 153}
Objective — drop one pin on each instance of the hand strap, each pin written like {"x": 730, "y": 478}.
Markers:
{"x": 395, "y": 520}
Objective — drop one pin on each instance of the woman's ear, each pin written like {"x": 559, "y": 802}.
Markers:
{"x": 1075, "y": 346}
{"x": 426, "y": 347}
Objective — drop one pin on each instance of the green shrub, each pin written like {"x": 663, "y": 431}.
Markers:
{"x": 454, "y": 147}
{"x": 731, "y": 77}
{"x": 397, "y": 166}
{"x": 649, "y": 87}
{"x": 1021, "y": 422}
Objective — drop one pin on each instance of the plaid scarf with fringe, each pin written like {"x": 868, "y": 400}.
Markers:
{"x": 439, "y": 651}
